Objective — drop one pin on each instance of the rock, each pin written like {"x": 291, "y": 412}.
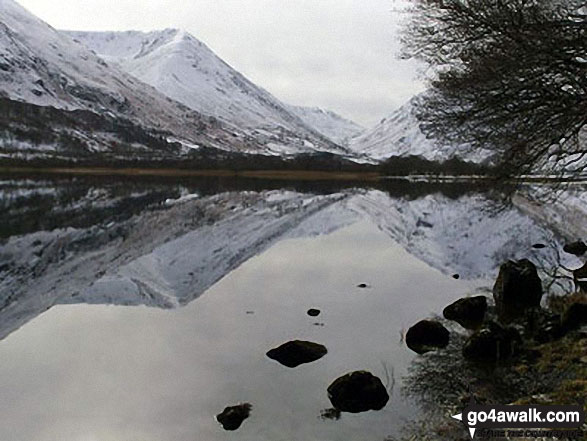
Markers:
{"x": 231, "y": 418}
{"x": 468, "y": 312}
{"x": 492, "y": 343}
{"x": 363, "y": 285}
{"x": 516, "y": 289}
{"x": 543, "y": 326}
{"x": 295, "y": 353}
{"x": 576, "y": 248}
{"x": 358, "y": 391}
{"x": 575, "y": 316}
{"x": 426, "y": 336}
{"x": 538, "y": 246}
{"x": 312, "y": 312}
{"x": 456, "y": 276}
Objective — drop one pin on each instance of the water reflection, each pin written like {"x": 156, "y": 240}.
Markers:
{"x": 264, "y": 256}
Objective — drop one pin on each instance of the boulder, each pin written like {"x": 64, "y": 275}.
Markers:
{"x": 469, "y": 312}
{"x": 358, "y": 391}
{"x": 295, "y": 353}
{"x": 492, "y": 343}
{"x": 426, "y": 336}
{"x": 517, "y": 289}
{"x": 575, "y": 316}
{"x": 576, "y": 248}
{"x": 231, "y": 418}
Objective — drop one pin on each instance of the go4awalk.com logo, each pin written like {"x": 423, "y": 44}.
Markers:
{"x": 522, "y": 420}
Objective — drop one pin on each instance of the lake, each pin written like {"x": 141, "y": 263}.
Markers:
{"x": 138, "y": 309}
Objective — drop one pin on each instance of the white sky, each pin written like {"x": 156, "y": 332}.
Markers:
{"x": 337, "y": 54}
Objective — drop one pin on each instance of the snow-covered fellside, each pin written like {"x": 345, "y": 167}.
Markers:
{"x": 399, "y": 135}
{"x": 185, "y": 69}
{"x": 43, "y": 66}
{"x": 330, "y": 124}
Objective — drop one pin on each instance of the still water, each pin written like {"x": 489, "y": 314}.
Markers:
{"x": 138, "y": 310}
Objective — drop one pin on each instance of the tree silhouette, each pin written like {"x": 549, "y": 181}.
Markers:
{"x": 506, "y": 76}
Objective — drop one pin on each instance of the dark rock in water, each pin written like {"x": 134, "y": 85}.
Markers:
{"x": 426, "y": 336}
{"x": 517, "y": 289}
{"x": 468, "y": 312}
{"x": 492, "y": 343}
{"x": 313, "y": 312}
{"x": 576, "y": 248}
{"x": 575, "y": 316}
{"x": 294, "y": 353}
{"x": 538, "y": 246}
{"x": 543, "y": 326}
{"x": 456, "y": 276}
{"x": 358, "y": 391}
{"x": 231, "y": 418}
{"x": 363, "y": 285}
{"x": 580, "y": 276}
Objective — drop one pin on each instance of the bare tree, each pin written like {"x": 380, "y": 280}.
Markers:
{"x": 507, "y": 76}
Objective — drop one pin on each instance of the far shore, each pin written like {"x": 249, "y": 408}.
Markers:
{"x": 285, "y": 175}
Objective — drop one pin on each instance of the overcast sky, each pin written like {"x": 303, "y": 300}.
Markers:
{"x": 337, "y": 54}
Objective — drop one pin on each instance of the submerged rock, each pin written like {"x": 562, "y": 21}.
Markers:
{"x": 576, "y": 248}
{"x": 426, "y": 336}
{"x": 469, "y": 312}
{"x": 358, "y": 391}
{"x": 330, "y": 414}
{"x": 492, "y": 343}
{"x": 297, "y": 352}
{"x": 517, "y": 289}
{"x": 313, "y": 312}
{"x": 231, "y": 418}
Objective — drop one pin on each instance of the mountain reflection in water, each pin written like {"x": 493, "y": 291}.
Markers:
{"x": 264, "y": 254}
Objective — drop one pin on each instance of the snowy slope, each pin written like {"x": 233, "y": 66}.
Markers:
{"x": 330, "y": 124}
{"x": 42, "y": 66}
{"x": 399, "y": 135}
{"x": 186, "y": 70}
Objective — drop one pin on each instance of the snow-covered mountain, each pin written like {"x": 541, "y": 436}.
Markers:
{"x": 399, "y": 134}
{"x": 185, "y": 69}
{"x": 42, "y": 66}
{"x": 330, "y": 124}
{"x": 46, "y": 68}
